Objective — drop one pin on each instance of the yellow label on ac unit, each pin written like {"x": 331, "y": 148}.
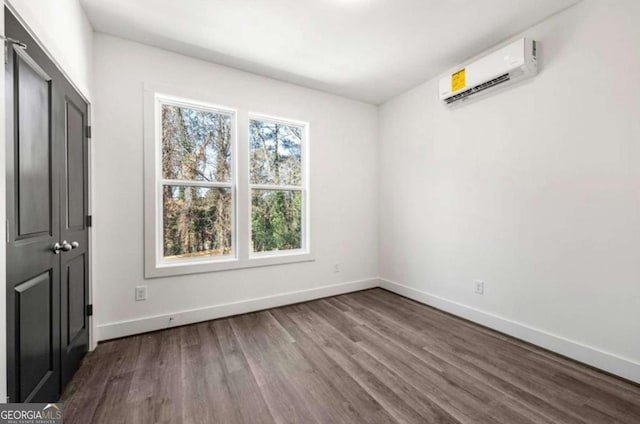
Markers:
{"x": 458, "y": 80}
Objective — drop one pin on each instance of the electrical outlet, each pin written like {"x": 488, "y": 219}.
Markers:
{"x": 336, "y": 268}
{"x": 479, "y": 285}
{"x": 141, "y": 293}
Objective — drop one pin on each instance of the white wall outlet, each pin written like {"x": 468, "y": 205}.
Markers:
{"x": 479, "y": 287}
{"x": 141, "y": 293}
{"x": 336, "y": 268}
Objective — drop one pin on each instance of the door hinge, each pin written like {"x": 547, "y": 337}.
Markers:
{"x": 89, "y": 220}
{"x": 89, "y": 310}
{"x": 88, "y": 130}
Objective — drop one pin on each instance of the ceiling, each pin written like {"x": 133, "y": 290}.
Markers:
{"x": 368, "y": 50}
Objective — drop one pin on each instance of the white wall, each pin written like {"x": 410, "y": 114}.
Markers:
{"x": 535, "y": 190}
{"x": 344, "y": 201}
{"x": 63, "y": 29}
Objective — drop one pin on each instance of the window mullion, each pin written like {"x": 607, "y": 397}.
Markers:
{"x": 243, "y": 190}
{"x": 276, "y": 187}
{"x": 194, "y": 183}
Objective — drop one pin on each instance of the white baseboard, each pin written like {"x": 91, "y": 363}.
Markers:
{"x": 142, "y": 325}
{"x": 609, "y": 362}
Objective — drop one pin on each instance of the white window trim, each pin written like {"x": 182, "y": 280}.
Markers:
{"x": 241, "y": 257}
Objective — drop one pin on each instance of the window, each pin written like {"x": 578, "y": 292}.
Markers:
{"x": 198, "y": 217}
{"x": 277, "y": 185}
{"x": 197, "y": 185}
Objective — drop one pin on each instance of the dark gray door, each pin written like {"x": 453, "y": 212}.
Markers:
{"x": 47, "y": 329}
{"x": 74, "y": 205}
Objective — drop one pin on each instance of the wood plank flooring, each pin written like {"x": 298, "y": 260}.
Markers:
{"x": 365, "y": 357}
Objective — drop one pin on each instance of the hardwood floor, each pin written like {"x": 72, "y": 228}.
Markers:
{"x": 366, "y": 357}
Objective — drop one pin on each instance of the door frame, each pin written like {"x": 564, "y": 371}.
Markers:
{"x": 3, "y": 215}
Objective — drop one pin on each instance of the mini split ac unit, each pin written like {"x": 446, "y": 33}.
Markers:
{"x": 504, "y": 66}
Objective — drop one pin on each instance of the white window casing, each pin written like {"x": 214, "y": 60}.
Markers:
{"x": 240, "y": 256}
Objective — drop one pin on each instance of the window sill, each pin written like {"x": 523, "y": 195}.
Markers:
{"x": 186, "y": 268}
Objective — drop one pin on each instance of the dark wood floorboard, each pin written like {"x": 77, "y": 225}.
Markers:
{"x": 365, "y": 357}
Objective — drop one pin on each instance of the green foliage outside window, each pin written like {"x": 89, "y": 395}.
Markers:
{"x": 276, "y": 220}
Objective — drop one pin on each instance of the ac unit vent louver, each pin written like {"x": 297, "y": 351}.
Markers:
{"x": 479, "y": 88}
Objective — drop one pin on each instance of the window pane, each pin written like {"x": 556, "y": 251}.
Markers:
{"x": 276, "y": 220}
{"x": 196, "y": 144}
{"x": 197, "y": 221}
{"x": 275, "y": 151}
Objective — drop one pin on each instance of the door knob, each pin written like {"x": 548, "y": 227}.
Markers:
{"x": 64, "y": 247}
{"x": 75, "y": 244}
